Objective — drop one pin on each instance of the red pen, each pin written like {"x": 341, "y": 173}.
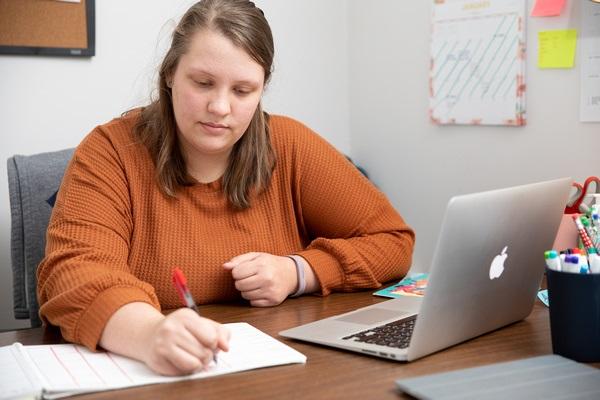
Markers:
{"x": 186, "y": 296}
{"x": 184, "y": 293}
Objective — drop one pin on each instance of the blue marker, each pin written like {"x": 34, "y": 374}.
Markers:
{"x": 571, "y": 264}
{"x": 596, "y": 212}
{"x": 583, "y": 265}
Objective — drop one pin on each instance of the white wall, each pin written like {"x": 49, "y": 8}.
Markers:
{"x": 52, "y": 103}
{"x": 355, "y": 71}
{"x": 421, "y": 165}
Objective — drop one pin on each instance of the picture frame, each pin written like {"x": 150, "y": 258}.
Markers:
{"x": 48, "y": 27}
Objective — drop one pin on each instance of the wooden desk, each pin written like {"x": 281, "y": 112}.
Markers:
{"x": 328, "y": 373}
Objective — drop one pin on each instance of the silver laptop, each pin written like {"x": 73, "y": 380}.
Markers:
{"x": 485, "y": 273}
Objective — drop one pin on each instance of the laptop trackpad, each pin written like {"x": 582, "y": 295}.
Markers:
{"x": 372, "y": 316}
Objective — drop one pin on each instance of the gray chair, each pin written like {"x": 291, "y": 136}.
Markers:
{"x": 32, "y": 184}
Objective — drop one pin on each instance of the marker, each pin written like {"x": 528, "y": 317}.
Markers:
{"x": 562, "y": 257}
{"x": 594, "y": 263}
{"x": 186, "y": 296}
{"x": 589, "y": 229}
{"x": 552, "y": 260}
{"x": 571, "y": 264}
{"x": 595, "y": 223}
{"x": 587, "y": 243}
{"x": 596, "y": 220}
{"x": 583, "y": 265}
{"x": 596, "y": 216}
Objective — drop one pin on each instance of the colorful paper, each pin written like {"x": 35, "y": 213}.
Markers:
{"x": 477, "y": 66}
{"x": 556, "y": 49}
{"x": 547, "y": 8}
{"x": 413, "y": 285}
{"x": 543, "y": 296}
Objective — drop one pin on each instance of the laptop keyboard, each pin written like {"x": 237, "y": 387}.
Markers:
{"x": 394, "y": 334}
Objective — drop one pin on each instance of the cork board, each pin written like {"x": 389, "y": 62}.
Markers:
{"x": 47, "y": 27}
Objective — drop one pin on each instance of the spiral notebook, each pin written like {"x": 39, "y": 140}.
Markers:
{"x": 55, "y": 371}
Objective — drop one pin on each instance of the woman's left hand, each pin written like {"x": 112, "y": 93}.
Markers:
{"x": 264, "y": 279}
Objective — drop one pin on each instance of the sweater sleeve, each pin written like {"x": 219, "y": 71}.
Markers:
{"x": 357, "y": 239}
{"x": 84, "y": 277}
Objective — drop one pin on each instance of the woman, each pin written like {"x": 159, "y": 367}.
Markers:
{"x": 244, "y": 203}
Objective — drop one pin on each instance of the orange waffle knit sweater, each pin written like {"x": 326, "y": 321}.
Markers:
{"x": 114, "y": 238}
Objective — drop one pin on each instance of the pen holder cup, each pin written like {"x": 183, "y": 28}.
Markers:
{"x": 575, "y": 315}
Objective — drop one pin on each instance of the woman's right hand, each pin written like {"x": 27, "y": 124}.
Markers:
{"x": 177, "y": 344}
{"x": 183, "y": 342}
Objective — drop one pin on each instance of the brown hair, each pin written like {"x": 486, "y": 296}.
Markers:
{"x": 252, "y": 158}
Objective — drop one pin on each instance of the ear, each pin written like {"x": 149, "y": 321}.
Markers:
{"x": 169, "y": 81}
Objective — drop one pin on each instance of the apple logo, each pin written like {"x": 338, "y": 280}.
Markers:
{"x": 497, "y": 266}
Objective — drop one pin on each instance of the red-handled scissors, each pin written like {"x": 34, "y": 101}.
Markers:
{"x": 580, "y": 201}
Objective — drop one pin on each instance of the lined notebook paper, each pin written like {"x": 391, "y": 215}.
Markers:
{"x": 66, "y": 369}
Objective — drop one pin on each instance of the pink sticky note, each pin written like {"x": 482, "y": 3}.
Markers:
{"x": 547, "y": 8}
